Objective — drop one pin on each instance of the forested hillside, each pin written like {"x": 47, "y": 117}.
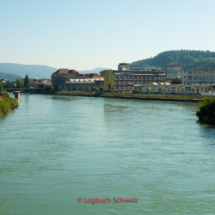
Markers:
{"x": 186, "y": 58}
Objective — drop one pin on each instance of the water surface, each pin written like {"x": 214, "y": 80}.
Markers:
{"x": 54, "y": 149}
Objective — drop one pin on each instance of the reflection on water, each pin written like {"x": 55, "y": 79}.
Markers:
{"x": 55, "y": 149}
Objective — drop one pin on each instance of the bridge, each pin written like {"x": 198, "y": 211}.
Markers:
{"x": 26, "y": 90}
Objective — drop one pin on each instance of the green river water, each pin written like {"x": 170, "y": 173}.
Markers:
{"x": 55, "y": 149}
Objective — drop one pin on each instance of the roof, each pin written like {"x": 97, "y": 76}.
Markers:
{"x": 65, "y": 71}
{"x": 124, "y": 64}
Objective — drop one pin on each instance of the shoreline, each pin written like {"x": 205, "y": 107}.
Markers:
{"x": 129, "y": 97}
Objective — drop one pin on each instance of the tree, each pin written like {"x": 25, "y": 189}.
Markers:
{"x": 153, "y": 88}
{"x": 119, "y": 88}
{"x": 212, "y": 89}
{"x": 206, "y": 112}
{"x": 89, "y": 88}
{"x": 1, "y": 87}
{"x": 147, "y": 89}
{"x": 177, "y": 81}
{"x": 19, "y": 83}
{"x": 71, "y": 88}
{"x": 129, "y": 88}
{"x": 164, "y": 89}
{"x": 60, "y": 87}
{"x": 83, "y": 89}
{"x": 65, "y": 87}
{"x": 49, "y": 88}
{"x": 95, "y": 89}
{"x": 76, "y": 88}
{"x": 194, "y": 90}
{"x": 26, "y": 81}
{"x": 101, "y": 88}
{"x": 179, "y": 89}
{"x": 109, "y": 85}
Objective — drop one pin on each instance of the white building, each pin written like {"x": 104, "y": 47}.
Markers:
{"x": 198, "y": 76}
{"x": 166, "y": 88}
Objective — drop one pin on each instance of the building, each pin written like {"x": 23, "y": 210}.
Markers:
{"x": 172, "y": 71}
{"x": 166, "y": 88}
{"x": 62, "y": 76}
{"x": 81, "y": 84}
{"x": 198, "y": 76}
{"x": 123, "y": 80}
{"x": 124, "y": 66}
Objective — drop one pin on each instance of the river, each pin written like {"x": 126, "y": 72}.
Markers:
{"x": 56, "y": 149}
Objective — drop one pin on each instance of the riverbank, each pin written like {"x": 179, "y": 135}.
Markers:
{"x": 157, "y": 97}
{"x": 7, "y": 103}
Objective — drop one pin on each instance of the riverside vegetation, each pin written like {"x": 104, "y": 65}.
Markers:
{"x": 206, "y": 112}
{"x": 7, "y": 103}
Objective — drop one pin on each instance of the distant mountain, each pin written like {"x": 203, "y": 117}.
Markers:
{"x": 10, "y": 77}
{"x": 39, "y": 71}
{"x": 33, "y": 71}
{"x": 186, "y": 58}
{"x": 96, "y": 70}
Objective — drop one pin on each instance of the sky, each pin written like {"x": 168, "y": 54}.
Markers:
{"x": 86, "y": 34}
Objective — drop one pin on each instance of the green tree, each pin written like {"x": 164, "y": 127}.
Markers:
{"x": 206, "y": 112}
{"x": 83, "y": 89}
{"x": 109, "y": 85}
{"x": 60, "y": 87}
{"x": 129, "y": 88}
{"x": 95, "y": 89}
{"x": 49, "y": 89}
{"x": 212, "y": 89}
{"x": 26, "y": 81}
{"x": 1, "y": 87}
{"x": 89, "y": 88}
{"x": 179, "y": 89}
{"x": 164, "y": 89}
{"x": 19, "y": 83}
{"x": 194, "y": 90}
{"x": 147, "y": 89}
{"x": 71, "y": 88}
{"x": 120, "y": 88}
{"x": 177, "y": 81}
{"x": 101, "y": 88}
{"x": 65, "y": 87}
{"x": 153, "y": 89}
{"x": 76, "y": 88}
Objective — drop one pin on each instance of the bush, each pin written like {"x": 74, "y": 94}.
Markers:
{"x": 206, "y": 111}
{"x": 7, "y": 103}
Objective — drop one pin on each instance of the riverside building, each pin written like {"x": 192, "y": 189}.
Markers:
{"x": 198, "y": 76}
{"x": 124, "y": 79}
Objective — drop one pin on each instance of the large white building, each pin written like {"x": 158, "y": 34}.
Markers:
{"x": 198, "y": 76}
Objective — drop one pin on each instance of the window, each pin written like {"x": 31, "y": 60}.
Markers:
{"x": 211, "y": 76}
{"x": 206, "y": 76}
{"x": 126, "y": 87}
{"x": 201, "y": 77}
{"x": 144, "y": 77}
{"x": 135, "y": 82}
{"x": 195, "y": 72}
{"x": 189, "y": 77}
{"x": 116, "y": 88}
{"x": 116, "y": 77}
{"x": 126, "y": 77}
{"x": 121, "y": 82}
{"x": 116, "y": 82}
{"x": 152, "y": 77}
{"x": 187, "y": 88}
{"x": 121, "y": 77}
{"x": 148, "y": 77}
{"x": 184, "y": 76}
{"x": 212, "y": 72}
{"x": 139, "y": 82}
{"x": 206, "y": 72}
{"x": 200, "y": 72}
{"x": 182, "y": 89}
{"x": 130, "y": 77}
{"x": 156, "y": 78}
{"x": 135, "y": 77}
{"x": 190, "y": 72}
{"x": 126, "y": 82}
{"x": 195, "y": 77}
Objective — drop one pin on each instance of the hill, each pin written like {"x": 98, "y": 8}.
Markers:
{"x": 39, "y": 71}
{"x": 10, "y": 77}
{"x": 33, "y": 71}
{"x": 186, "y": 58}
{"x": 96, "y": 70}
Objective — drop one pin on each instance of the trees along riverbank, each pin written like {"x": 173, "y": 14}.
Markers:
{"x": 206, "y": 112}
{"x": 7, "y": 103}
